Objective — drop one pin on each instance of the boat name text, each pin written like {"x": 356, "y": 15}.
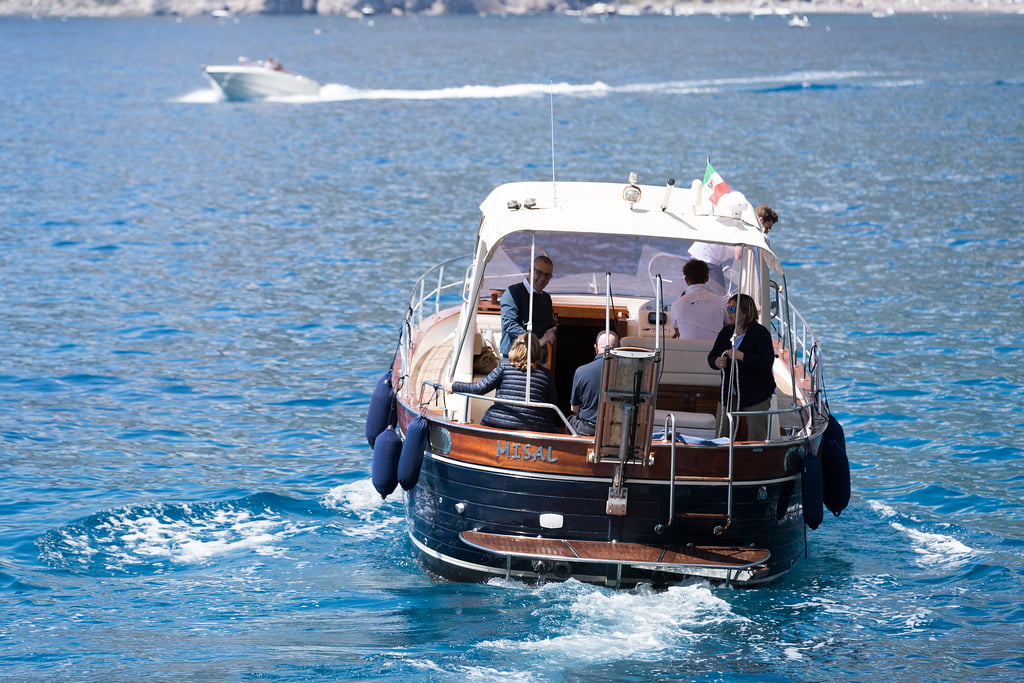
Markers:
{"x": 523, "y": 451}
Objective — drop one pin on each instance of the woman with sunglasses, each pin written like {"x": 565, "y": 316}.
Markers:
{"x": 745, "y": 354}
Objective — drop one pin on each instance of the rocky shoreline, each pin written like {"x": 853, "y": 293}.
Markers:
{"x": 363, "y": 8}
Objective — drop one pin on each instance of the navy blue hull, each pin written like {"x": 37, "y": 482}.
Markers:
{"x": 452, "y": 497}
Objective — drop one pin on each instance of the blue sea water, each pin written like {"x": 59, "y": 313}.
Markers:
{"x": 198, "y": 297}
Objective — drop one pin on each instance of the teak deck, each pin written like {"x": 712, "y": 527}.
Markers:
{"x": 710, "y": 557}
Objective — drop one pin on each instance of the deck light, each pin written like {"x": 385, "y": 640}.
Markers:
{"x": 551, "y": 520}
{"x": 513, "y": 205}
{"x": 631, "y": 193}
{"x": 530, "y": 203}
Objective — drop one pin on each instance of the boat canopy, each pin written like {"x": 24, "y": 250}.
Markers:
{"x": 635, "y": 242}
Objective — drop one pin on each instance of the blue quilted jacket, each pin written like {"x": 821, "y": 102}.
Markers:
{"x": 510, "y": 382}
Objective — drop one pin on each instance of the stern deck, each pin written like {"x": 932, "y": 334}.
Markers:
{"x": 730, "y": 563}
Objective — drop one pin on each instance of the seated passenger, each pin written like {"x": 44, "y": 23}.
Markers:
{"x": 586, "y": 387}
{"x": 509, "y": 378}
{"x": 699, "y": 313}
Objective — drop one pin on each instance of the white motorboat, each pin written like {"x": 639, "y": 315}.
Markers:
{"x": 485, "y": 502}
{"x": 258, "y": 80}
{"x": 797, "y": 21}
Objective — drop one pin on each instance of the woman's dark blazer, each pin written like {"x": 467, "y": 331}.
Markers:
{"x": 755, "y": 370}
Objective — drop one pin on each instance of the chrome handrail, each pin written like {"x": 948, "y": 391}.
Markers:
{"x": 670, "y": 431}
{"x": 442, "y": 282}
{"x": 438, "y": 392}
{"x": 421, "y": 295}
{"x": 805, "y": 345}
{"x": 517, "y": 402}
{"x": 771, "y": 412}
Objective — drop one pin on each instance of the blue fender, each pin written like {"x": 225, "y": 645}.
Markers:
{"x": 835, "y": 467}
{"x": 411, "y": 461}
{"x": 382, "y": 413}
{"x": 386, "y": 451}
{"x": 811, "y": 485}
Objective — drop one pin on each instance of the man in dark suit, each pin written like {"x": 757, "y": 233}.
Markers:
{"x": 515, "y": 307}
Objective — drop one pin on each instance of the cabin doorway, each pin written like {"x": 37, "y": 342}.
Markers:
{"x": 578, "y": 327}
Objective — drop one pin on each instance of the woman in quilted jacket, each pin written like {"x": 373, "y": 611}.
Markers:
{"x": 509, "y": 379}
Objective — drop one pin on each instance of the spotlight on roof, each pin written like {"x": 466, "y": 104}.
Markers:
{"x": 631, "y": 193}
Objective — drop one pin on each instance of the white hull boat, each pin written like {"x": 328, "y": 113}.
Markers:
{"x": 256, "y": 81}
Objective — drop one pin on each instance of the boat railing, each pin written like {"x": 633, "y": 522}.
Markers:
{"x": 799, "y": 339}
{"x": 787, "y": 433}
{"x": 437, "y": 287}
{"x": 439, "y": 396}
{"x": 670, "y": 433}
{"x": 733, "y": 416}
{"x": 517, "y": 402}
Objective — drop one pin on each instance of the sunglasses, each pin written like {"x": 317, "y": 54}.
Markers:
{"x": 731, "y": 309}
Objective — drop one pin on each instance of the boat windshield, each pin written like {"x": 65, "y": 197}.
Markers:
{"x": 581, "y": 261}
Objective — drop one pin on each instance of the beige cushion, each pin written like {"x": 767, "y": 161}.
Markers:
{"x": 684, "y": 361}
{"x": 686, "y": 421}
{"x": 692, "y": 424}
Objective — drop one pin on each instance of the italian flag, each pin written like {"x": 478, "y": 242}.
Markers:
{"x": 714, "y": 186}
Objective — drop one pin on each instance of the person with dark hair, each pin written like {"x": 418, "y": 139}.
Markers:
{"x": 515, "y": 307}
{"x": 509, "y": 380}
{"x": 744, "y": 347}
{"x": 767, "y": 216}
{"x": 699, "y": 313}
{"x": 586, "y": 387}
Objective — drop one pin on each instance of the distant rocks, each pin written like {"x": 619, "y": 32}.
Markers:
{"x": 188, "y": 8}
{"x": 227, "y": 8}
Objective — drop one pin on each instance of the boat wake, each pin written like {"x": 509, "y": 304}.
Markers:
{"x": 333, "y": 92}
{"x": 361, "y": 501}
{"x": 156, "y": 538}
{"x": 797, "y": 81}
{"x": 160, "y": 537}
{"x": 932, "y": 550}
{"x": 204, "y": 96}
{"x": 594, "y": 624}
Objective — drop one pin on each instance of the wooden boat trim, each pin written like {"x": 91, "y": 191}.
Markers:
{"x": 633, "y": 554}
{"x": 680, "y": 479}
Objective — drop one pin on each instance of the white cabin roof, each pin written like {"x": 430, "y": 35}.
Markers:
{"x": 579, "y": 207}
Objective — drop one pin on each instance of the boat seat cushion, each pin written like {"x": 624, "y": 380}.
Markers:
{"x": 693, "y": 424}
{"x": 684, "y": 361}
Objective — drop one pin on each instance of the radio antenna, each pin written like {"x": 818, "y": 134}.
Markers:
{"x": 551, "y": 100}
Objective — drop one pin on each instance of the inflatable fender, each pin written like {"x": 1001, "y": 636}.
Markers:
{"x": 411, "y": 460}
{"x": 835, "y": 467}
{"x": 382, "y": 413}
{"x": 386, "y": 451}
{"x": 810, "y": 480}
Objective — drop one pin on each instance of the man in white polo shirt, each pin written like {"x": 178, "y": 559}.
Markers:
{"x": 700, "y": 312}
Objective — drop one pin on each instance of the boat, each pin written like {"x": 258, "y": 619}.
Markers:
{"x": 248, "y": 80}
{"x": 797, "y": 21}
{"x": 655, "y": 496}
